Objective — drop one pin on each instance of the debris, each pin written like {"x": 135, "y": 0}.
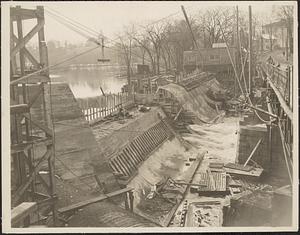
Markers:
{"x": 204, "y": 214}
{"x": 238, "y": 167}
{"x": 246, "y": 204}
{"x": 255, "y": 172}
{"x": 143, "y": 108}
{"x": 216, "y": 165}
{"x": 215, "y": 184}
{"x": 191, "y": 159}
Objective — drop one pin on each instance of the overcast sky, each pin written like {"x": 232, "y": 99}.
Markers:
{"x": 111, "y": 16}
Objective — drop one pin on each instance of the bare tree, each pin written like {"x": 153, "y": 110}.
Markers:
{"x": 145, "y": 46}
{"x": 125, "y": 45}
{"x": 156, "y": 35}
{"x": 286, "y": 13}
{"x": 213, "y": 19}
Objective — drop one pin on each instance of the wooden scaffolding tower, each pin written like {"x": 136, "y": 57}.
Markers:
{"x": 32, "y": 144}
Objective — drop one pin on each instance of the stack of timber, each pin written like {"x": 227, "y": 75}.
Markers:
{"x": 214, "y": 184}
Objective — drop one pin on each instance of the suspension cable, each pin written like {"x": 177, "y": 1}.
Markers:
{"x": 86, "y": 28}
{"x": 70, "y": 25}
{"x": 52, "y": 66}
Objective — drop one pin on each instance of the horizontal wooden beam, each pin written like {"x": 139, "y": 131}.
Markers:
{"x": 33, "y": 79}
{"x": 19, "y": 108}
{"x": 26, "y": 39}
{"x": 23, "y": 14}
{"x": 79, "y": 205}
{"x": 17, "y": 148}
{"x": 21, "y": 211}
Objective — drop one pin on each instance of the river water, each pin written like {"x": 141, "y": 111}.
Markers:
{"x": 86, "y": 81}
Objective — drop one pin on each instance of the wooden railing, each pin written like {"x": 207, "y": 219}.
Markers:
{"x": 96, "y": 108}
{"x": 282, "y": 79}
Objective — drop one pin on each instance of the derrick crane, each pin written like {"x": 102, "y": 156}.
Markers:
{"x": 195, "y": 44}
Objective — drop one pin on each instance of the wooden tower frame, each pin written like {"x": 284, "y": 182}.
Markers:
{"x": 27, "y": 199}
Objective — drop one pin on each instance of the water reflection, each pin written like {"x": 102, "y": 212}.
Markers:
{"x": 86, "y": 81}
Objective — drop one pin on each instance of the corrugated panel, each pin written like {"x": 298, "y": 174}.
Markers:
{"x": 127, "y": 160}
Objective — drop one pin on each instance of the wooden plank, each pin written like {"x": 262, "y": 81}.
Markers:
{"x": 149, "y": 139}
{"x": 138, "y": 150}
{"x": 32, "y": 79}
{"x": 116, "y": 165}
{"x": 23, "y": 13}
{"x": 17, "y": 148}
{"x": 19, "y": 108}
{"x": 191, "y": 184}
{"x": 255, "y": 172}
{"x": 132, "y": 153}
{"x": 126, "y": 162}
{"x": 253, "y": 151}
{"x": 128, "y": 158}
{"x": 79, "y": 205}
{"x": 21, "y": 211}
{"x": 141, "y": 145}
{"x": 123, "y": 165}
{"x": 120, "y": 166}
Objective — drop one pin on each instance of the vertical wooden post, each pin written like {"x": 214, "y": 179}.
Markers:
{"x": 47, "y": 106}
{"x": 250, "y": 52}
{"x": 21, "y": 160}
{"x": 131, "y": 201}
{"x": 12, "y": 44}
{"x": 126, "y": 201}
{"x": 269, "y": 131}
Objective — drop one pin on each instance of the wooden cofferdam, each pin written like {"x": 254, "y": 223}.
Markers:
{"x": 126, "y": 162}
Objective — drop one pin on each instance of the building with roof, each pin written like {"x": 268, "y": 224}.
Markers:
{"x": 214, "y": 59}
{"x": 274, "y": 35}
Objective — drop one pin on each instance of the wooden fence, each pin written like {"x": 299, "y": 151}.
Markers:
{"x": 96, "y": 108}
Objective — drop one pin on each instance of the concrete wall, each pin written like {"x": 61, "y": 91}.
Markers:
{"x": 75, "y": 144}
{"x": 273, "y": 164}
{"x": 248, "y": 137}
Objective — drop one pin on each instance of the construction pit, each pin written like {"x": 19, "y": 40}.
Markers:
{"x": 161, "y": 166}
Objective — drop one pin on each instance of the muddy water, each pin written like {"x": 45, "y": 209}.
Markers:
{"x": 168, "y": 161}
{"x": 219, "y": 141}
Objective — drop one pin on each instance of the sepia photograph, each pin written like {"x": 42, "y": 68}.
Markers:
{"x": 149, "y": 116}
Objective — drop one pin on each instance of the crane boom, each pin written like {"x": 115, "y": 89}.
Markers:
{"x": 190, "y": 28}
{"x": 195, "y": 44}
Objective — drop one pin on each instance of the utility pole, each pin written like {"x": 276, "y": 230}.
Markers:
{"x": 250, "y": 52}
{"x": 287, "y": 45}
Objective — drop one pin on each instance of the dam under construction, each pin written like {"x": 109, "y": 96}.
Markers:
{"x": 199, "y": 148}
